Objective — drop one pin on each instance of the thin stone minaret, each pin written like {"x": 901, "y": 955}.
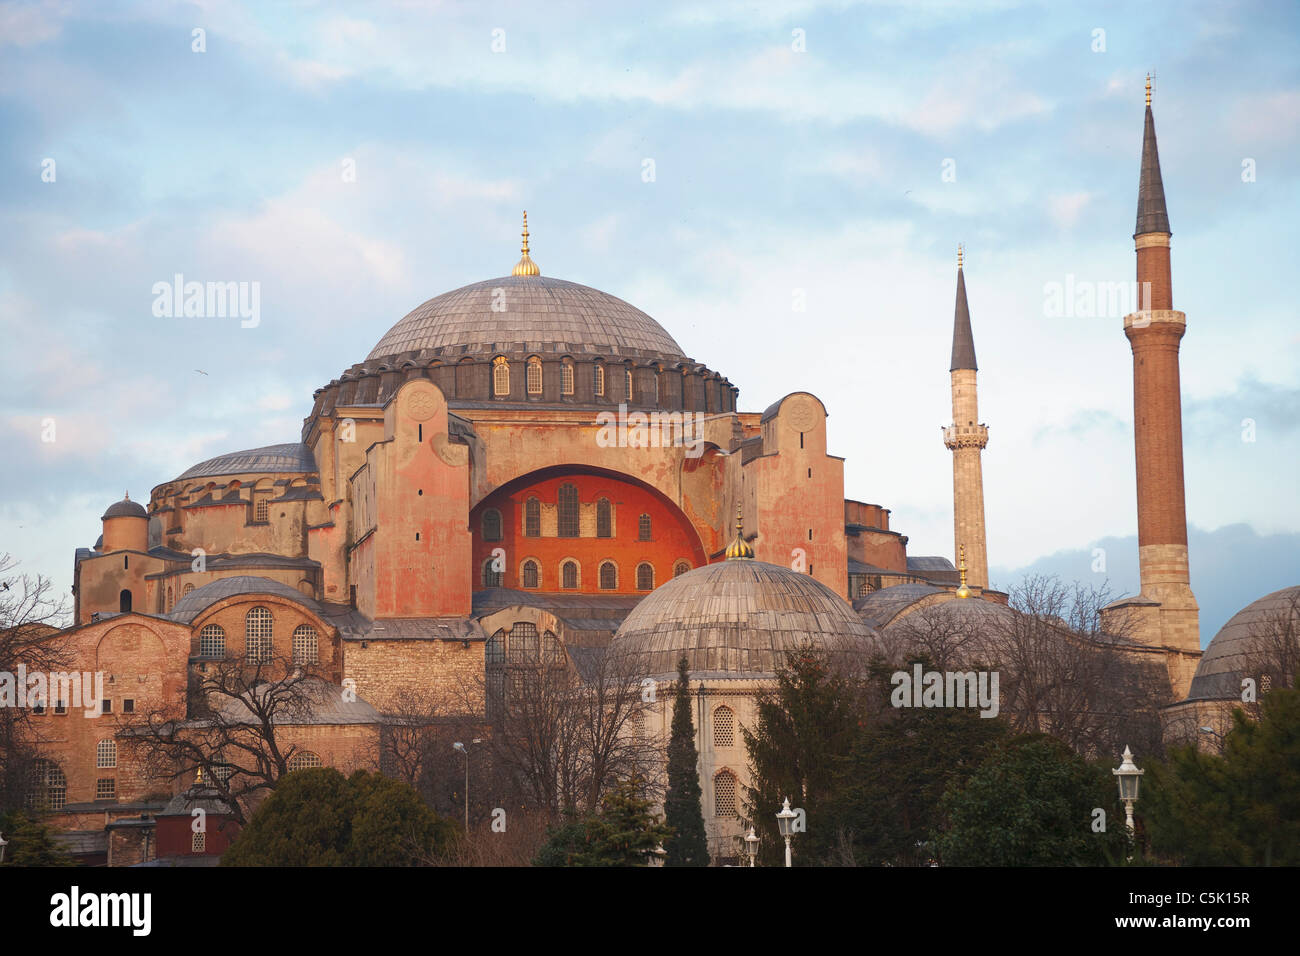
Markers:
{"x": 966, "y": 438}
{"x": 1154, "y": 331}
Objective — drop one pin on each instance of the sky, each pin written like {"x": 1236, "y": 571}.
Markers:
{"x": 782, "y": 186}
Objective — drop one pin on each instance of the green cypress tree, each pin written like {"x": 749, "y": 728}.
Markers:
{"x": 687, "y": 846}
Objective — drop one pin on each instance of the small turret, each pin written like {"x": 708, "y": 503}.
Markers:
{"x": 126, "y": 526}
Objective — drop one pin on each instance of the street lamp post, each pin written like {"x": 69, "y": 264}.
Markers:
{"x": 785, "y": 820}
{"x": 1129, "y": 779}
{"x": 458, "y": 746}
{"x": 751, "y": 845}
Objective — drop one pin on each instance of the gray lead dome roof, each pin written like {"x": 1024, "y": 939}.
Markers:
{"x": 737, "y": 617}
{"x": 532, "y": 313}
{"x": 290, "y": 458}
{"x": 1227, "y": 657}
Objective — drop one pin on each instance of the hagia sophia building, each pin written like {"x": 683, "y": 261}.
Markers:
{"x": 526, "y": 467}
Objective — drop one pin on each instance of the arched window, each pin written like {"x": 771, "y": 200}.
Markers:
{"x": 598, "y": 376}
{"x": 724, "y": 794}
{"x": 608, "y": 576}
{"x": 187, "y": 589}
{"x": 492, "y": 578}
{"x": 106, "y": 754}
{"x": 257, "y": 636}
{"x": 656, "y": 386}
{"x": 500, "y": 376}
{"x": 534, "y": 376}
{"x": 494, "y": 663}
{"x": 532, "y": 518}
{"x": 552, "y": 650}
{"x": 532, "y": 574}
{"x": 680, "y": 568}
{"x": 306, "y": 648}
{"x": 627, "y": 383}
{"x": 724, "y": 726}
{"x": 645, "y": 576}
{"x": 123, "y": 600}
{"x": 566, "y": 377}
{"x": 491, "y": 525}
{"x": 212, "y": 641}
{"x": 643, "y": 528}
{"x": 169, "y": 598}
{"x": 304, "y": 760}
{"x": 604, "y": 520}
{"x": 569, "y": 575}
{"x": 567, "y": 517}
{"x": 47, "y": 787}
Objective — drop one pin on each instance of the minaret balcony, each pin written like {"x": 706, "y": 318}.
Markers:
{"x": 966, "y": 436}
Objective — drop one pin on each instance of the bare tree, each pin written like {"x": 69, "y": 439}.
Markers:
{"x": 233, "y": 730}
{"x": 30, "y": 621}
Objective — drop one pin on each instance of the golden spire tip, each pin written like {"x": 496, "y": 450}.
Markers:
{"x": 1148, "y": 89}
{"x": 959, "y": 255}
{"x": 525, "y": 266}
{"x": 963, "y": 591}
{"x": 739, "y": 548}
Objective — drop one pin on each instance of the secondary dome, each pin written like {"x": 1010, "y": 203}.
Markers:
{"x": 528, "y": 313}
{"x": 126, "y": 508}
{"x": 737, "y": 617}
{"x": 1228, "y": 656}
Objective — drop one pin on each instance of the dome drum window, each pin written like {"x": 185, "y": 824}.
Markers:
{"x": 500, "y": 377}
{"x": 534, "y": 376}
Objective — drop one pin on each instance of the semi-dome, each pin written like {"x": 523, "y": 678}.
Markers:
{"x": 737, "y": 617}
{"x": 528, "y": 312}
{"x": 290, "y": 458}
{"x": 126, "y": 508}
{"x": 200, "y": 599}
{"x": 1228, "y": 656}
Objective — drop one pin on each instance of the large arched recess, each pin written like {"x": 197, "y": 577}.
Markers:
{"x": 673, "y": 537}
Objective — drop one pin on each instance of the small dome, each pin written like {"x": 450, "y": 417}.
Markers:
{"x": 126, "y": 508}
{"x": 737, "y": 617}
{"x": 1227, "y": 657}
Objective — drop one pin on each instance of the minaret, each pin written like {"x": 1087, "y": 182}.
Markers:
{"x": 966, "y": 438}
{"x": 1154, "y": 331}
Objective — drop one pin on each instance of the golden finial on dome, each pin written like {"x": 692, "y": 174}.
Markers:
{"x": 198, "y": 779}
{"x": 963, "y": 591}
{"x": 525, "y": 266}
{"x": 739, "y": 547}
{"x": 1148, "y": 89}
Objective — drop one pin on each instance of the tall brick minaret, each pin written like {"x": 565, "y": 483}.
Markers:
{"x": 1154, "y": 331}
{"x": 966, "y": 438}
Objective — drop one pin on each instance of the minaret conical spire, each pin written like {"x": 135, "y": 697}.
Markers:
{"x": 1151, "y": 214}
{"x": 963, "y": 341}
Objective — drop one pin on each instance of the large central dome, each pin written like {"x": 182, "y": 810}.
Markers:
{"x": 528, "y": 313}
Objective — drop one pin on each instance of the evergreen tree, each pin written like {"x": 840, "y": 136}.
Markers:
{"x": 805, "y": 727}
{"x": 1238, "y": 809}
{"x": 623, "y": 833}
{"x": 687, "y": 844}
{"x": 1032, "y": 803}
{"x": 318, "y": 817}
{"x": 31, "y": 841}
